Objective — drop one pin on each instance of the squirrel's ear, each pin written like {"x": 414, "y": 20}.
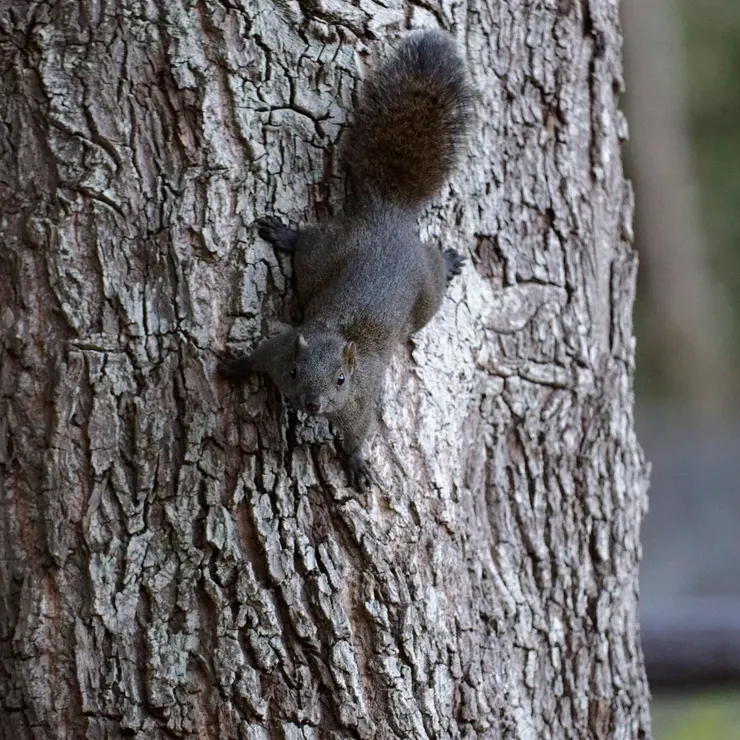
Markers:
{"x": 350, "y": 354}
{"x": 300, "y": 344}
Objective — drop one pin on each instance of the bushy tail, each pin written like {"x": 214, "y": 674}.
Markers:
{"x": 411, "y": 121}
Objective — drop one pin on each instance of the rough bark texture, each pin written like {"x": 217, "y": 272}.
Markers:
{"x": 184, "y": 560}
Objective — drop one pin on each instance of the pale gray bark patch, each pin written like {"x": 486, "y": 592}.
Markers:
{"x": 182, "y": 559}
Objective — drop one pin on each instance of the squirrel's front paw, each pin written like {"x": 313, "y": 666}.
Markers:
{"x": 275, "y": 232}
{"x": 235, "y": 368}
{"x": 361, "y": 475}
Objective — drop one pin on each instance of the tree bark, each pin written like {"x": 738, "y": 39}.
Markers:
{"x": 185, "y": 560}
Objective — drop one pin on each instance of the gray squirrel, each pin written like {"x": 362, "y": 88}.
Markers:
{"x": 365, "y": 281}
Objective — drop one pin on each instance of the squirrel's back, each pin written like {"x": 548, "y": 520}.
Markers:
{"x": 411, "y": 122}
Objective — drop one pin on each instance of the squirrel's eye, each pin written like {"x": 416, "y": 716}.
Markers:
{"x": 340, "y": 379}
{"x": 293, "y": 373}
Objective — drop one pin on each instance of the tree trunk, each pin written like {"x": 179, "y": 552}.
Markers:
{"x": 184, "y": 560}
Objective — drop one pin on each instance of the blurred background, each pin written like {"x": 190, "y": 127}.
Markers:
{"x": 682, "y": 69}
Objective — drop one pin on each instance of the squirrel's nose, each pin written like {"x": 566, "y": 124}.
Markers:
{"x": 312, "y": 407}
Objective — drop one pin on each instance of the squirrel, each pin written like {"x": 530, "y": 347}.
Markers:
{"x": 365, "y": 281}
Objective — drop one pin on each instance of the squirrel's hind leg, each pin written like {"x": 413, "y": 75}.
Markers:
{"x": 441, "y": 269}
{"x": 453, "y": 263}
{"x": 431, "y": 287}
{"x": 275, "y": 232}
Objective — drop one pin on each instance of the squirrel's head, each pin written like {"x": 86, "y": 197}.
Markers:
{"x": 322, "y": 372}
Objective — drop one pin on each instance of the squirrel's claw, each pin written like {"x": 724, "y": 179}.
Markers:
{"x": 361, "y": 475}
{"x": 275, "y": 232}
{"x": 454, "y": 262}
